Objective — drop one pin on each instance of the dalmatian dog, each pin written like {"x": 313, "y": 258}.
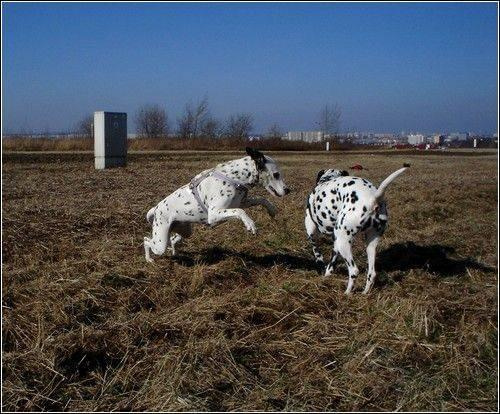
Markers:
{"x": 342, "y": 206}
{"x": 214, "y": 196}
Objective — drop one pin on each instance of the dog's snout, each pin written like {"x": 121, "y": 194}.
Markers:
{"x": 287, "y": 190}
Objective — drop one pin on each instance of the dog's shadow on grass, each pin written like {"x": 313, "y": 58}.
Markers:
{"x": 435, "y": 259}
{"x": 400, "y": 257}
{"x": 215, "y": 255}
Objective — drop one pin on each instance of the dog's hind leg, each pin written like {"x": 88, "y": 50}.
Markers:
{"x": 312, "y": 232}
{"x": 372, "y": 239}
{"x": 150, "y": 215}
{"x": 147, "y": 249}
{"x": 343, "y": 247}
{"x": 331, "y": 265}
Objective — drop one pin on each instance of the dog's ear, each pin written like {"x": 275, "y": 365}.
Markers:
{"x": 257, "y": 156}
{"x": 320, "y": 174}
{"x": 344, "y": 173}
{"x": 254, "y": 153}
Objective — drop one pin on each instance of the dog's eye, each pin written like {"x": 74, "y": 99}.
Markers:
{"x": 276, "y": 175}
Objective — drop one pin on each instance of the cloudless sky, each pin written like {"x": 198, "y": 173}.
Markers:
{"x": 391, "y": 67}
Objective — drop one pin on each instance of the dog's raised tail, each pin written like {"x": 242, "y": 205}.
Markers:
{"x": 382, "y": 187}
{"x": 150, "y": 215}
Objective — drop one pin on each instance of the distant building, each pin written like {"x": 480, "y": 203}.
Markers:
{"x": 458, "y": 136}
{"x": 307, "y": 136}
{"x": 386, "y": 135}
{"x": 416, "y": 139}
{"x": 438, "y": 139}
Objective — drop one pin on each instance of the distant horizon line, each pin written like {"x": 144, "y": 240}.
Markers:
{"x": 366, "y": 132}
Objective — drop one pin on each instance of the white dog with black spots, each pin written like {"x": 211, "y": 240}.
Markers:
{"x": 342, "y": 206}
{"x": 212, "y": 197}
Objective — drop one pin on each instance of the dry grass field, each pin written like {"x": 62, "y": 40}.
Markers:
{"x": 155, "y": 144}
{"x": 242, "y": 322}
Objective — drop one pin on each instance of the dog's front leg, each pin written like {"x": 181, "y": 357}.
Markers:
{"x": 216, "y": 215}
{"x": 260, "y": 201}
{"x": 312, "y": 232}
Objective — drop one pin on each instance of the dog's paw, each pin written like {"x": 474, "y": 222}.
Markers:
{"x": 367, "y": 290}
{"x": 251, "y": 227}
{"x": 320, "y": 268}
{"x": 272, "y": 210}
{"x": 328, "y": 271}
{"x": 149, "y": 260}
{"x": 350, "y": 286}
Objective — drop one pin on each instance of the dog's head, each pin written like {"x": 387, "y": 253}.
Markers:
{"x": 270, "y": 176}
{"x": 330, "y": 174}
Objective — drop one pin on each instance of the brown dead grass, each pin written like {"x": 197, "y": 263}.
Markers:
{"x": 171, "y": 144}
{"x": 47, "y": 144}
{"x": 240, "y": 322}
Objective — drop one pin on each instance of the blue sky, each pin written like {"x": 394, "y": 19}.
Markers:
{"x": 391, "y": 67}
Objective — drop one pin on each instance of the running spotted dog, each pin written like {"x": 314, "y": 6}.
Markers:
{"x": 214, "y": 196}
{"x": 342, "y": 206}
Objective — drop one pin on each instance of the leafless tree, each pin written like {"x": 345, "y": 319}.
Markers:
{"x": 185, "y": 124}
{"x": 274, "y": 131}
{"x": 329, "y": 120}
{"x": 193, "y": 122}
{"x": 152, "y": 121}
{"x": 239, "y": 126}
{"x": 86, "y": 127}
{"x": 210, "y": 128}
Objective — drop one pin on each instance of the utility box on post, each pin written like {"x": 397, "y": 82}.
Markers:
{"x": 110, "y": 139}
